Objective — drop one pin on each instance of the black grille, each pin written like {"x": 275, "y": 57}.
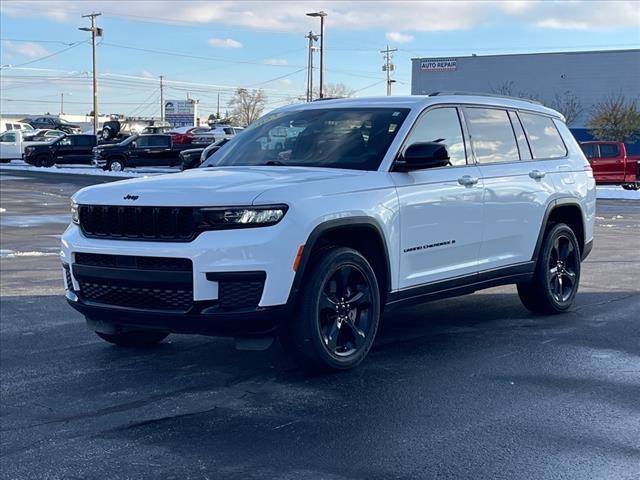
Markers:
{"x": 241, "y": 294}
{"x": 133, "y": 262}
{"x": 179, "y": 300}
{"x": 169, "y": 224}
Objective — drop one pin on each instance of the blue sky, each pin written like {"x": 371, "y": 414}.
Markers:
{"x": 206, "y": 48}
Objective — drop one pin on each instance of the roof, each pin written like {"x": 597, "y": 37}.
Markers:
{"x": 579, "y": 52}
{"x": 423, "y": 101}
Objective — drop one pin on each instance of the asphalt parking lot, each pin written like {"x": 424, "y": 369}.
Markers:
{"x": 467, "y": 388}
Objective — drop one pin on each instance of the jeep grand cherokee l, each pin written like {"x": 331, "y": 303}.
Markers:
{"x": 370, "y": 203}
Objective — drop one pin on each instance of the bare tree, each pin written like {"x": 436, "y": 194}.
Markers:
{"x": 247, "y": 105}
{"x": 616, "y": 119}
{"x": 333, "y": 90}
{"x": 505, "y": 88}
{"x": 569, "y": 105}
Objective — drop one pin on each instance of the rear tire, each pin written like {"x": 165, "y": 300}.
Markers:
{"x": 557, "y": 275}
{"x": 338, "y": 313}
{"x": 134, "y": 339}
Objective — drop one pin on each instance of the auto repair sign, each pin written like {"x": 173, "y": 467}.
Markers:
{"x": 439, "y": 64}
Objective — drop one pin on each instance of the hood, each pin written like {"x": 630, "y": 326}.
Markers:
{"x": 208, "y": 186}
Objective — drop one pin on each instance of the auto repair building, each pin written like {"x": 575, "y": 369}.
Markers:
{"x": 590, "y": 77}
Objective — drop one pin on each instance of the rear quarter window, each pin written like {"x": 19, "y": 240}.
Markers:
{"x": 544, "y": 138}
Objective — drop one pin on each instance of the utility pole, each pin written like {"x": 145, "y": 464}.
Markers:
{"x": 312, "y": 38}
{"x": 62, "y": 104}
{"x": 320, "y": 14}
{"x": 161, "y": 99}
{"x": 95, "y": 33}
{"x": 218, "y": 109}
{"x": 388, "y": 66}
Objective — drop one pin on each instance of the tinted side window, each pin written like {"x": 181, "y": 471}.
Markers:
{"x": 441, "y": 125}
{"x": 65, "y": 141}
{"x": 159, "y": 141}
{"x": 544, "y": 138}
{"x": 609, "y": 150}
{"x": 83, "y": 141}
{"x": 142, "y": 142}
{"x": 8, "y": 137}
{"x": 8, "y": 126}
{"x": 492, "y": 135}
{"x": 589, "y": 150}
{"x": 523, "y": 145}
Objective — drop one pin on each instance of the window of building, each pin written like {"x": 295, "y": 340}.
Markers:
{"x": 492, "y": 135}
{"x": 544, "y": 138}
{"x": 441, "y": 125}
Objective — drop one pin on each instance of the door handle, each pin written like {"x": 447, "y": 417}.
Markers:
{"x": 147, "y": 151}
{"x": 536, "y": 174}
{"x": 468, "y": 181}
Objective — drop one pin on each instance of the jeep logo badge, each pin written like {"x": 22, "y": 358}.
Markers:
{"x": 130, "y": 197}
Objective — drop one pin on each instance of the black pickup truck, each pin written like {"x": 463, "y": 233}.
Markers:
{"x": 68, "y": 149}
{"x": 138, "y": 151}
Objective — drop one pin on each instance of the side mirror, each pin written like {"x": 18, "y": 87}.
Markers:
{"x": 134, "y": 145}
{"x": 422, "y": 155}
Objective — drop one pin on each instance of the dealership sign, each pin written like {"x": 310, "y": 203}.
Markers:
{"x": 179, "y": 113}
{"x": 439, "y": 64}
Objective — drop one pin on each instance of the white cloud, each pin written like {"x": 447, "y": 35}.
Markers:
{"x": 147, "y": 74}
{"x": 224, "y": 43}
{"x": 276, "y": 61}
{"x": 27, "y": 49}
{"x": 398, "y": 37}
{"x": 428, "y": 15}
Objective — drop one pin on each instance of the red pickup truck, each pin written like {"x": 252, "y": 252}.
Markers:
{"x": 611, "y": 165}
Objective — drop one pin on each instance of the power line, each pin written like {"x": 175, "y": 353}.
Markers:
{"x": 50, "y": 55}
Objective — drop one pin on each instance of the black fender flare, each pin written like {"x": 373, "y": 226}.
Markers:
{"x": 328, "y": 226}
{"x": 553, "y": 204}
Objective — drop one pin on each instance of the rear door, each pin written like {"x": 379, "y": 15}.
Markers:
{"x": 152, "y": 150}
{"x": 83, "y": 151}
{"x": 610, "y": 162}
{"x": 516, "y": 187}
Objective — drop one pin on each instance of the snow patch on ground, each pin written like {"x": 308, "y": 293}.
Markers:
{"x": 20, "y": 166}
{"x": 14, "y": 254}
{"x": 614, "y": 192}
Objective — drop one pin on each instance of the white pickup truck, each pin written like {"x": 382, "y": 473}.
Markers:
{"x": 13, "y": 143}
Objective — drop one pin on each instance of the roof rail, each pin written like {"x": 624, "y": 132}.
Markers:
{"x": 327, "y": 98}
{"x": 480, "y": 94}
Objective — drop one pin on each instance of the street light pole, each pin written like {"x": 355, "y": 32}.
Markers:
{"x": 320, "y": 14}
{"x": 161, "y": 99}
{"x": 312, "y": 38}
{"x": 95, "y": 33}
{"x": 62, "y": 104}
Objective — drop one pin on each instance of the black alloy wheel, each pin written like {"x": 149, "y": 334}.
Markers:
{"x": 337, "y": 312}
{"x": 563, "y": 268}
{"x": 344, "y": 311}
{"x": 557, "y": 274}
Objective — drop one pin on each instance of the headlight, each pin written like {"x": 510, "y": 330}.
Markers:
{"x": 243, "y": 217}
{"x": 75, "y": 216}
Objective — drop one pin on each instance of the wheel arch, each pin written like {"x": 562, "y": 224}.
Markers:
{"x": 563, "y": 210}
{"x": 348, "y": 232}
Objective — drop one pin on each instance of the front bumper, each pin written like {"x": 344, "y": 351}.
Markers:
{"x": 200, "y": 320}
{"x": 216, "y": 257}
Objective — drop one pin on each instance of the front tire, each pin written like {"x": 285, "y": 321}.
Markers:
{"x": 133, "y": 339}
{"x": 339, "y": 311}
{"x": 115, "y": 165}
{"x": 557, "y": 275}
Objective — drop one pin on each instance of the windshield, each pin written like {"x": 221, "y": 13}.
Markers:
{"x": 350, "y": 138}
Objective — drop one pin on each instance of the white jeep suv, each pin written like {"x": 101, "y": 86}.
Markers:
{"x": 368, "y": 204}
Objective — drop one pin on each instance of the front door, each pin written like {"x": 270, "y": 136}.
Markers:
{"x": 610, "y": 163}
{"x": 440, "y": 208}
{"x": 10, "y": 145}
